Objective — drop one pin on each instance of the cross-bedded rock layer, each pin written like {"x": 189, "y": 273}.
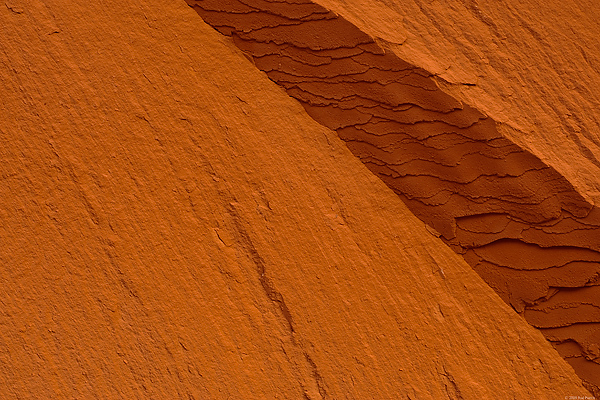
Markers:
{"x": 519, "y": 223}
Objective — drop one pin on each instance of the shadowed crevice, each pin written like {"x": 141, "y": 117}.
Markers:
{"x": 519, "y": 223}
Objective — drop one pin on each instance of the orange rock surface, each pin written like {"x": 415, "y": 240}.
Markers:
{"x": 519, "y": 223}
{"x": 530, "y": 66}
{"x": 177, "y": 226}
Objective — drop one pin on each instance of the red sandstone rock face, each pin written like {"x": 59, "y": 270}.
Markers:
{"x": 519, "y": 223}
{"x": 174, "y": 225}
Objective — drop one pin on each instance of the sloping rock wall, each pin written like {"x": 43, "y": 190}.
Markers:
{"x": 518, "y": 222}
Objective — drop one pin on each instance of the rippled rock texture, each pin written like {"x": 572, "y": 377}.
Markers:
{"x": 519, "y": 223}
{"x": 176, "y": 226}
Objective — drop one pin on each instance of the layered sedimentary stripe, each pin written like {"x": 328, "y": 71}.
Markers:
{"x": 520, "y": 224}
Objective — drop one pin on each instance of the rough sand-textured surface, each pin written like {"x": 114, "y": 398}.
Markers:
{"x": 517, "y": 221}
{"x": 531, "y": 66}
{"x": 175, "y": 225}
